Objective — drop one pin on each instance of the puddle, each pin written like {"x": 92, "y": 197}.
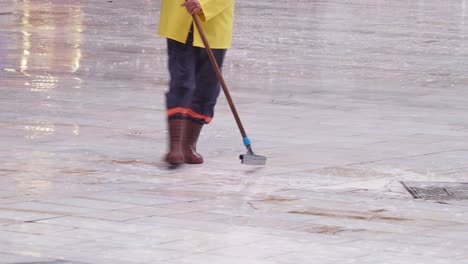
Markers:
{"x": 277, "y": 200}
{"x": 329, "y": 230}
{"x": 79, "y": 171}
{"x": 349, "y": 216}
{"x": 135, "y": 162}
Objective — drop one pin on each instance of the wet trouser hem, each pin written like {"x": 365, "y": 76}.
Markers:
{"x": 189, "y": 114}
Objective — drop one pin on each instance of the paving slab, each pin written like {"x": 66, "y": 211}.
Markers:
{"x": 347, "y": 99}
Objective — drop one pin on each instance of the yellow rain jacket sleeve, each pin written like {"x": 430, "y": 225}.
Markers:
{"x": 217, "y": 18}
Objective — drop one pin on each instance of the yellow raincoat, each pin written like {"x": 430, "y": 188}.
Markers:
{"x": 216, "y": 19}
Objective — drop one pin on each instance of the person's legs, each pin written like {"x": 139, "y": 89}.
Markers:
{"x": 207, "y": 86}
{"x": 178, "y": 98}
{"x": 181, "y": 63}
{"x": 204, "y": 100}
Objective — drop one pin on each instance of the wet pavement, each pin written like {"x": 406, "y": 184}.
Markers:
{"x": 346, "y": 98}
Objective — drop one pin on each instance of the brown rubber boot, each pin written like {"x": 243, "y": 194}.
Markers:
{"x": 192, "y": 131}
{"x": 176, "y": 134}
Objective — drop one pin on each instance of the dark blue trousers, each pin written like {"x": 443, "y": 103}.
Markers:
{"x": 193, "y": 88}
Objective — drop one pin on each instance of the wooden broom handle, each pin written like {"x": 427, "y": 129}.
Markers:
{"x": 219, "y": 75}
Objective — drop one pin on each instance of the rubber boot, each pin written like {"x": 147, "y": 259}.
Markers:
{"x": 192, "y": 132}
{"x": 175, "y": 155}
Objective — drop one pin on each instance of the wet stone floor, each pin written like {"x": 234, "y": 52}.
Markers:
{"x": 347, "y": 99}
